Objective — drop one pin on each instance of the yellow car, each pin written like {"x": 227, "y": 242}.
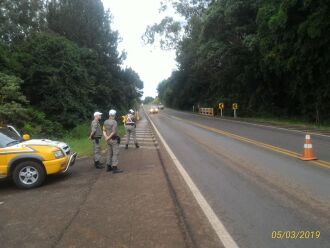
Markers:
{"x": 28, "y": 162}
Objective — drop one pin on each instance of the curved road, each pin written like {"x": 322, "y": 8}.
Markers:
{"x": 252, "y": 178}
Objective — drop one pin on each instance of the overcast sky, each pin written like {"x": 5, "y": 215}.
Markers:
{"x": 130, "y": 18}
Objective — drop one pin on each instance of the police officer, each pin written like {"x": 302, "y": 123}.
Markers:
{"x": 95, "y": 136}
{"x": 113, "y": 141}
{"x": 130, "y": 127}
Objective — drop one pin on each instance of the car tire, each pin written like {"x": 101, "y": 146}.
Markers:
{"x": 29, "y": 174}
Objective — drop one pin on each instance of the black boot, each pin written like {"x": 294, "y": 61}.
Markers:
{"x": 137, "y": 145}
{"x": 98, "y": 165}
{"x": 109, "y": 168}
{"x": 126, "y": 146}
{"x": 115, "y": 169}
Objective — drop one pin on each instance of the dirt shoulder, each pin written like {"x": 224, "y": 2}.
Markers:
{"x": 148, "y": 205}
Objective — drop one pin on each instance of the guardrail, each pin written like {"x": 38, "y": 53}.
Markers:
{"x": 206, "y": 111}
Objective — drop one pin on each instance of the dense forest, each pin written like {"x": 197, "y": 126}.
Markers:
{"x": 272, "y": 57}
{"x": 59, "y": 63}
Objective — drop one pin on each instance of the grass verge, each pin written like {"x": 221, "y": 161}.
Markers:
{"x": 292, "y": 123}
{"x": 78, "y": 140}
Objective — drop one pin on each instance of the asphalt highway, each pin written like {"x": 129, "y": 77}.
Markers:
{"x": 253, "y": 179}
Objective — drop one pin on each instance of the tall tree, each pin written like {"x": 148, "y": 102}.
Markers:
{"x": 86, "y": 23}
{"x": 270, "y": 56}
{"x": 56, "y": 80}
{"x": 20, "y": 18}
{"x": 169, "y": 31}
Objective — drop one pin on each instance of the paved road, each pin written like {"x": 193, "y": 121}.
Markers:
{"x": 287, "y": 139}
{"x": 147, "y": 206}
{"x": 253, "y": 190}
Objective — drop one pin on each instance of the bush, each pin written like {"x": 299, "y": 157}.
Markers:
{"x": 39, "y": 126}
{"x": 12, "y": 101}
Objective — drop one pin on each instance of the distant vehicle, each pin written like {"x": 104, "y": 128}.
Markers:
{"x": 161, "y": 106}
{"x": 28, "y": 161}
{"x": 154, "y": 110}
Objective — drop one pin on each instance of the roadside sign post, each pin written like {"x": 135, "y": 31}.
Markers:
{"x": 221, "y": 107}
{"x": 235, "y": 107}
{"x": 193, "y": 108}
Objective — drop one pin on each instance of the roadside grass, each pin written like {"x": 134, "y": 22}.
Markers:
{"x": 291, "y": 122}
{"x": 78, "y": 140}
{"x": 282, "y": 122}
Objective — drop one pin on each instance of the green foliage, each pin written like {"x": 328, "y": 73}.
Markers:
{"x": 59, "y": 63}
{"x": 20, "y": 18}
{"x": 38, "y": 125}
{"x": 156, "y": 101}
{"x": 56, "y": 84}
{"x": 148, "y": 100}
{"x": 79, "y": 142}
{"x": 169, "y": 31}
{"x": 82, "y": 146}
{"x": 296, "y": 57}
{"x": 272, "y": 57}
{"x": 84, "y": 22}
{"x": 168, "y": 28}
{"x": 80, "y": 131}
{"x": 132, "y": 89}
{"x": 12, "y": 101}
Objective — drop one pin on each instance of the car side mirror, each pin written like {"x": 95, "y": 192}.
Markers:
{"x": 26, "y": 137}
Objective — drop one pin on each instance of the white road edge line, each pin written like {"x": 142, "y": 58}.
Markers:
{"x": 224, "y": 236}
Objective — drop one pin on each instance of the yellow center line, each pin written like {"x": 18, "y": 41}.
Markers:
{"x": 322, "y": 163}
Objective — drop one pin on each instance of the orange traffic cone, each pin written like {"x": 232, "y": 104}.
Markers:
{"x": 308, "y": 153}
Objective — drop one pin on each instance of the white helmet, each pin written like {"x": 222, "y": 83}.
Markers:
{"x": 112, "y": 112}
{"x": 97, "y": 113}
{"x": 131, "y": 111}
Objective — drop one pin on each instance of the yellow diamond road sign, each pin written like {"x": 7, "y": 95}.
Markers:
{"x": 235, "y": 106}
{"x": 221, "y": 105}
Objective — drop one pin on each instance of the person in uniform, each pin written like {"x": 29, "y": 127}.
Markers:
{"x": 95, "y": 136}
{"x": 113, "y": 141}
{"x": 130, "y": 127}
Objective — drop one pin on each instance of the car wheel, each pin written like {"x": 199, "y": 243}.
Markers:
{"x": 29, "y": 174}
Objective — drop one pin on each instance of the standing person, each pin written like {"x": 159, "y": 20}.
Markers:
{"x": 113, "y": 141}
{"x": 130, "y": 127}
{"x": 95, "y": 136}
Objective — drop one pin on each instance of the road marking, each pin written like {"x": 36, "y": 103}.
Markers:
{"x": 279, "y": 128}
{"x": 2, "y": 203}
{"x": 322, "y": 163}
{"x": 217, "y": 225}
{"x": 255, "y": 124}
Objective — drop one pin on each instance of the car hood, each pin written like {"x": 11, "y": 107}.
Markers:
{"x": 48, "y": 142}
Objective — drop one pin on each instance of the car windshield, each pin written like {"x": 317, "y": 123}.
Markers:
{"x": 8, "y": 137}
